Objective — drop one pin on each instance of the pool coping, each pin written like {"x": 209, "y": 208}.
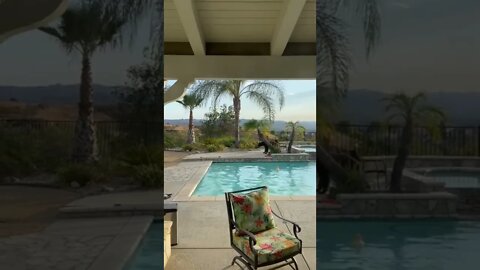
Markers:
{"x": 120, "y": 250}
{"x": 185, "y": 193}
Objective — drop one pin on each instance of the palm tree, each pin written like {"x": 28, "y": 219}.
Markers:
{"x": 293, "y": 128}
{"x": 260, "y": 92}
{"x": 411, "y": 111}
{"x": 190, "y": 102}
{"x": 86, "y": 28}
{"x": 334, "y": 60}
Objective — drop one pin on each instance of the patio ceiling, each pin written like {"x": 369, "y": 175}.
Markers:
{"x": 17, "y": 16}
{"x": 238, "y": 39}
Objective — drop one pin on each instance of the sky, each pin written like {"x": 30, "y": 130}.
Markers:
{"x": 426, "y": 45}
{"x": 299, "y": 104}
{"x": 32, "y": 58}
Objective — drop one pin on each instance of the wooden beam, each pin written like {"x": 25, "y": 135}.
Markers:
{"x": 284, "y": 28}
{"x": 189, "y": 18}
{"x": 240, "y": 48}
{"x": 240, "y": 67}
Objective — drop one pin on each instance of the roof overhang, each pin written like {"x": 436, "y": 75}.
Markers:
{"x": 22, "y": 15}
{"x": 225, "y": 39}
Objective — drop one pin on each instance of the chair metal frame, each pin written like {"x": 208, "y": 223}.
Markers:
{"x": 244, "y": 258}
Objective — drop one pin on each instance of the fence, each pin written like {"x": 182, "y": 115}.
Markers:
{"x": 110, "y": 135}
{"x": 368, "y": 140}
{"x": 385, "y": 140}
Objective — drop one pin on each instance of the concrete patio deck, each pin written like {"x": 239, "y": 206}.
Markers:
{"x": 203, "y": 238}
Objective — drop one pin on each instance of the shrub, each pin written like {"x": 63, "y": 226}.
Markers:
{"x": 149, "y": 176}
{"x": 193, "y": 147}
{"x": 248, "y": 144}
{"x": 80, "y": 173}
{"x": 141, "y": 155}
{"x": 214, "y": 147}
{"x": 355, "y": 183}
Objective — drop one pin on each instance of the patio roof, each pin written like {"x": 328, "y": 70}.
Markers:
{"x": 23, "y": 15}
{"x": 226, "y": 39}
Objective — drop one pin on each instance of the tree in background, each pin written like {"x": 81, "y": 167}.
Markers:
{"x": 218, "y": 123}
{"x": 411, "y": 111}
{"x": 334, "y": 61}
{"x": 138, "y": 101}
{"x": 260, "y": 92}
{"x": 294, "y": 128}
{"x": 86, "y": 28}
{"x": 190, "y": 102}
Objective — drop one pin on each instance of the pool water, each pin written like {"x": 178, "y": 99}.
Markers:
{"x": 149, "y": 254}
{"x": 398, "y": 245}
{"x": 282, "y": 178}
{"x": 308, "y": 148}
{"x": 456, "y": 178}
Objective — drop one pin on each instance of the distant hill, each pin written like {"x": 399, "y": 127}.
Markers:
{"x": 277, "y": 125}
{"x": 57, "y": 94}
{"x": 361, "y": 106}
{"x": 364, "y": 106}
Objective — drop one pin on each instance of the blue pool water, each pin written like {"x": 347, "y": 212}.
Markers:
{"x": 456, "y": 178}
{"x": 398, "y": 245}
{"x": 149, "y": 254}
{"x": 282, "y": 178}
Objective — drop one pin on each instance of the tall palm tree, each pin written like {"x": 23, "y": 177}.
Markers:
{"x": 293, "y": 128}
{"x": 190, "y": 102}
{"x": 86, "y": 28}
{"x": 334, "y": 60}
{"x": 411, "y": 111}
{"x": 260, "y": 92}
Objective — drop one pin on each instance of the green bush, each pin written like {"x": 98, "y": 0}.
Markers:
{"x": 226, "y": 141}
{"x": 141, "y": 155}
{"x": 193, "y": 147}
{"x": 80, "y": 173}
{"x": 355, "y": 183}
{"x": 174, "y": 139}
{"x": 149, "y": 176}
{"x": 248, "y": 144}
{"x": 214, "y": 147}
{"x": 27, "y": 150}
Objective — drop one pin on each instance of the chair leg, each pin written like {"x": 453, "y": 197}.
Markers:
{"x": 239, "y": 258}
{"x": 295, "y": 263}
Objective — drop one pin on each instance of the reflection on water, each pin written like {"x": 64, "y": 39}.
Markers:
{"x": 282, "y": 178}
{"x": 399, "y": 245}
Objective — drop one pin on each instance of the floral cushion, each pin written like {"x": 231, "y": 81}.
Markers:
{"x": 252, "y": 211}
{"x": 271, "y": 245}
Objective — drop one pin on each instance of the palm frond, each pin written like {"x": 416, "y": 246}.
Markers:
{"x": 333, "y": 58}
{"x": 266, "y": 88}
{"x": 264, "y": 101}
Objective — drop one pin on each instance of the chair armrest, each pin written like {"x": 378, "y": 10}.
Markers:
{"x": 251, "y": 237}
{"x": 296, "y": 227}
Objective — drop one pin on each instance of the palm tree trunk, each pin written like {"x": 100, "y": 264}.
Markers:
{"x": 401, "y": 159}
{"x": 85, "y": 144}
{"x": 191, "y": 135}
{"x": 236, "y": 109}
{"x": 292, "y": 137}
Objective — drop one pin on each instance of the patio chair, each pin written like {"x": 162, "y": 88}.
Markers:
{"x": 253, "y": 233}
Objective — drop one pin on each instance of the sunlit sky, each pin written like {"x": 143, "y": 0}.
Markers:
{"x": 299, "y": 104}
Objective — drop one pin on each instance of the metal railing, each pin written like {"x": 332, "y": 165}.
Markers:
{"x": 385, "y": 140}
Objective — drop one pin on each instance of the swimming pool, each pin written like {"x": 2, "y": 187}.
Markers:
{"x": 399, "y": 245}
{"x": 455, "y": 177}
{"x": 282, "y": 178}
{"x": 149, "y": 254}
